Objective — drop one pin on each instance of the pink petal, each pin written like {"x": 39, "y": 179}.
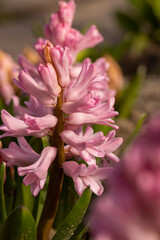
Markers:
{"x": 79, "y": 186}
{"x": 95, "y": 185}
{"x": 30, "y": 86}
{"x": 49, "y": 78}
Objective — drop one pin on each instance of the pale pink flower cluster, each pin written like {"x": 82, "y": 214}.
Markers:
{"x": 131, "y": 210}
{"x": 87, "y": 100}
{"x": 7, "y": 71}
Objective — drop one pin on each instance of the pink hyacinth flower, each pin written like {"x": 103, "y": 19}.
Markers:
{"x": 30, "y": 126}
{"x": 78, "y": 42}
{"x": 110, "y": 145}
{"x": 84, "y": 176}
{"x": 60, "y": 22}
{"x": 65, "y": 15}
{"x": 80, "y": 86}
{"x": 89, "y": 84}
{"x": 34, "y": 108}
{"x": 61, "y": 60}
{"x": 86, "y": 146}
{"x": 33, "y": 165}
{"x": 89, "y": 145}
{"x": 30, "y": 86}
{"x": 59, "y": 31}
{"x": 26, "y": 64}
{"x": 36, "y": 173}
{"x": 101, "y": 114}
{"x": 101, "y": 64}
{"x": 49, "y": 78}
{"x": 41, "y": 125}
{"x": 22, "y": 155}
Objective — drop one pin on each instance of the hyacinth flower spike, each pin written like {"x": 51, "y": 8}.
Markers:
{"x": 64, "y": 102}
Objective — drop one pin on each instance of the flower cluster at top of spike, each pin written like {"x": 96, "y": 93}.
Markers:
{"x": 87, "y": 100}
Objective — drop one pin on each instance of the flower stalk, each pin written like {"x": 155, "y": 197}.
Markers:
{"x": 56, "y": 178}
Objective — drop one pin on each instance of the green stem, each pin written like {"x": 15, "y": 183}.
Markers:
{"x": 56, "y": 178}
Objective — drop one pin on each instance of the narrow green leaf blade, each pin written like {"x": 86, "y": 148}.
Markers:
{"x": 10, "y": 186}
{"x": 74, "y": 218}
{"x": 134, "y": 133}
{"x": 19, "y": 225}
{"x": 68, "y": 199}
{"x": 2, "y": 203}
{"x": 130, "y": 94}
{"x": 79, "y": 232}
{"x": 23, "y": 196}
{"x": 127, "y": 22}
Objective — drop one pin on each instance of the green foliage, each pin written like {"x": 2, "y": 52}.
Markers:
{"x": 39, "y": 202}
{"x": 134, "y": 133}
{"x": 23, "y": 196}
{"x": 155, "y": 5}
{"x": 127, "y": 22}
{"x": 105, "y": 129}
{"x": 141, "y": 23}
{"x": 67, "y": 201}
{"x": 36, "y": 144}
{"x": 2, "y": 203}
{"x": 10, "y": 186}
{"x": 79, "y": 232}
{"x": 74, "y": 218}
{"x": 130, "y": 94}
{"x": 19, "y": 225}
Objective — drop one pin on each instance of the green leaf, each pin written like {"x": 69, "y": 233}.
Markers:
{"x": 103, "y": 128}
{"x": 130, "y": 94}
{"x": 23, "y": 196}
{"x": 74, "y": 218}
{"x": 134, "y": 133}
{"x": 19, "y": 225}
{"x": 36, "y": 144}
{"x": 155, "y": 5}
{"x": 39, "y": 202}
{"x": 127, "y": 22}
{"x": 139, "y": 44}
{"x": 79, "y": 232}
{"x": 138, "y": 4}
{"x": 2, "y": 203}
{"x": 121, "y": 48}
{"x": 9, "y": 189}
{"x": 146, "y": 11}
{"x": 67, "y": 201}
{"x": 45, "y": 141}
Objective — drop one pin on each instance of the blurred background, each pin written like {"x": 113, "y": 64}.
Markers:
{"x": 20, "y": 21}
{"x": 131, "y": 30}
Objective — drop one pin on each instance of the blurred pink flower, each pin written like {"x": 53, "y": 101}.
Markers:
{"x": 131, "y": 210}
{"x": 8, "y": 70}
